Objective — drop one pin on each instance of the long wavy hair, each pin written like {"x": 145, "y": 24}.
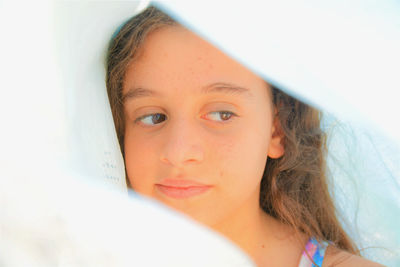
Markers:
{"x": 294, "y": 188}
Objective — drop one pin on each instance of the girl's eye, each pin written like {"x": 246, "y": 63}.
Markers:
{"x": 157, "y": 118}
{"x": 152, "y": 119}
{"x": 221, "y": 115}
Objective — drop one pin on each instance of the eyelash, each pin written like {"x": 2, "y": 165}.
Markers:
{"x": 220, "y": 112}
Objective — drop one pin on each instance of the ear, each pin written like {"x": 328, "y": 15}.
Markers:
{"x": 276, "y": 148}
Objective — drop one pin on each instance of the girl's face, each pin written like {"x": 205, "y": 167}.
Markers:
{"x": 198, "y": 128}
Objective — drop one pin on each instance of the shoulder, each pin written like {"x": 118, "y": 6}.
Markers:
{"x": 335, "y": 257}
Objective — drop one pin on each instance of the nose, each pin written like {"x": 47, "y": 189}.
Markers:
{"x": 182, "y": 145}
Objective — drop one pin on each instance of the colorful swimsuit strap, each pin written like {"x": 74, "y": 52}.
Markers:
{"x": 314, "y": 250}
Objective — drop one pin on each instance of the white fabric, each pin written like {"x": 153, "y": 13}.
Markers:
{"x": 324, "y": 52}
{"x": 54, "y": 219}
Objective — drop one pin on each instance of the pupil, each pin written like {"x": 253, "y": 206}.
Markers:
{"x": 157, "y": 118}
{"x": 225, "y": 116}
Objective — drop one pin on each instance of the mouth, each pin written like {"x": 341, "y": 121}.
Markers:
{"x": 181, "y": 189}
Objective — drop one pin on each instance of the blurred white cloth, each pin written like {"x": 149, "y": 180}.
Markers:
{"x": 55, "y": 219}
{"x": 328, "y": 53}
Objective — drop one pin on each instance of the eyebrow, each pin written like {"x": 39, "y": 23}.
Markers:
{"x": 219, "y": 87}
{"x": 226, "y": 88}
{"x": 139, "y": 92}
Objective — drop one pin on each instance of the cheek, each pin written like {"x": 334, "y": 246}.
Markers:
{"x": 242, "y": 158}
{"x": 138, "y": 161}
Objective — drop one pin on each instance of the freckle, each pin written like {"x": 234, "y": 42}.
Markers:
{"x": 221, "y": 173}
{"x": 262, "y": 246}
{"x": 210, "y": 66}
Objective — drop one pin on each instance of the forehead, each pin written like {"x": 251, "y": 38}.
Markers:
{"x": 174, "y": 58}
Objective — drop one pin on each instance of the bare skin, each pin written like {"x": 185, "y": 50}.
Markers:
{"x": 338, "y": 258}
{"x": 188, "y": 110}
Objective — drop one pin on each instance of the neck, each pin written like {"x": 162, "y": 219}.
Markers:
{"x": 263, "y": 238}
{"x": 249, "y": 227}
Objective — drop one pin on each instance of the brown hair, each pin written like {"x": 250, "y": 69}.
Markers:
{"x": 294, "y": 188}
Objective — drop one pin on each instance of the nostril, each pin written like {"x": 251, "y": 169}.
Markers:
{"x": 179, "y": 158}
{"x": 164, "y": 160}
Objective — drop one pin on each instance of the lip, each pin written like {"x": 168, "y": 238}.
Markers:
{"x": 181, "y": 188}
